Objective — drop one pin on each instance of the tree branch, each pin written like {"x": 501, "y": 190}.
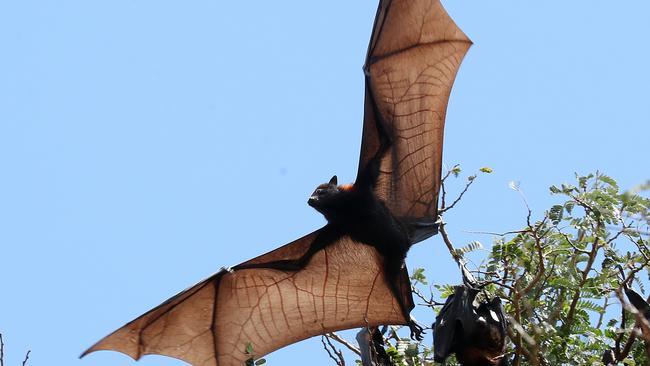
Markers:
{"x": 26, "y": 357}
{"x": 444, "y": 209}
{"x": 344, "y": 342}
{"x": 339, "y": 360}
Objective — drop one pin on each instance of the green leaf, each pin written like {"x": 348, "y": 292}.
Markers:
{"x": 608, "y": 180}
{"x": 259, "y": 362}
{"x": 471, "y": 247}
{"x": 486, "y": 169}
{"x": 589, "y": 305}
{"x": 418, "y": 276}
{"x": 569, "y": 206}
{"x": 555, "y": 214}
{"x": 249, "y": 348}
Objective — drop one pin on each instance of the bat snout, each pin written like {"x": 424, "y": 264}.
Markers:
{"x": 312, "y": 200}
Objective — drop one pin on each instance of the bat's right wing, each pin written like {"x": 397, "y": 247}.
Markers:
{"x": 210, "y": 324}
{"x": 414, "y": 53}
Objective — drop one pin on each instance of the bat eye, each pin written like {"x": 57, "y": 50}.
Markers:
{"x": 321, "y": 192}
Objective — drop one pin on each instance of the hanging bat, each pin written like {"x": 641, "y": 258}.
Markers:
{"x": 351, "y": 272}
{"x": 643, "y": 313}
{"x": 609, "y": 358}
{"x": 474, "y": 330}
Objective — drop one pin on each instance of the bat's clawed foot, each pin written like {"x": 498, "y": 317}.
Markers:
{"x": 417, "y": 332}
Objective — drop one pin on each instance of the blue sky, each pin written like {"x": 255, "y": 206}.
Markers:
{"x": 145, "y": 144}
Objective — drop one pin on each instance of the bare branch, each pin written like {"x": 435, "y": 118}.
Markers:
{"x": 450, "y": 246}
{"x": 602, "y": 314}
{"x": 493, "y": 233}
{"x": 471, "y": 180}
{"x": 340, "y": 361}
{"x": 344, "y": 342}
{"x": 430, "y": 302}
{"x": 26, "y": 357}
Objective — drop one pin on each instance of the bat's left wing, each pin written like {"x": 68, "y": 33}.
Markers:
{"x": 210, "y": 324}
{"x": 414, "y": 53}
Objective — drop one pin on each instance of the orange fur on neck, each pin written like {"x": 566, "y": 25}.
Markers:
{"x": 346, "y": 187}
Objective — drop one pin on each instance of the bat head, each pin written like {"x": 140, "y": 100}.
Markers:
{"x": 324, "y": 197}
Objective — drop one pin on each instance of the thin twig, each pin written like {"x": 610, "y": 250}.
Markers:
{"x": 340, "y": 361}
{"x": 344, "y": 342}
{"x": 460, "y": 196}
{"x": 495, "y": 234}
{"x": 2, "y": 351}
{"x": 427, "y": 302}
{"x": 26, "y": 358}
{"x": 601, "y": 315}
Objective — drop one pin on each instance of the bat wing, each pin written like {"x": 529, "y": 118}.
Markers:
{"x": 643, "y": 308}
{"x": 210, "y": 324}
{"x": 448, "y": 326}
{"x": 414, "y": 53}
{"x": 638, "y": 302}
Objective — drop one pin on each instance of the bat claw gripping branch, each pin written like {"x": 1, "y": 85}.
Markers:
{"x": 417, "y": 330}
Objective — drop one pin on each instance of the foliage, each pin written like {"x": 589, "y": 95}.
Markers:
{"x": 559, "y": 277}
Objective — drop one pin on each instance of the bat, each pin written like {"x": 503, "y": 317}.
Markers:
{"x": 350, "y": 273}
{"x": 474, "y": 330}
{"x": 643, "y": 313}
{"x": 609, "y": 358}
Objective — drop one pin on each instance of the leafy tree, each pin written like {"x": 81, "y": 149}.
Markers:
{"x": 559, "y": 277}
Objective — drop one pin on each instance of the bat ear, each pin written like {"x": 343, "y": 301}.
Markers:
{"x": 333, "y": 181}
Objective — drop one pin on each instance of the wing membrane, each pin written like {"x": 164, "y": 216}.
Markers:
{"x": 413, "y": 56}
{"x": 211, "y": 323}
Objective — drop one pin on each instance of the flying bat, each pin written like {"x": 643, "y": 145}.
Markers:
{"x": 351, "y": 272}
{"x": 474, "y": 330}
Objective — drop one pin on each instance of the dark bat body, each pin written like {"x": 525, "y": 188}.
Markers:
{"x": 351, "y": 272}
{"x": 643, "y": 314}
{"x": 609, "y": 358}
{"x": 474, "y": 330}
{"x": 638, "y": 302}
